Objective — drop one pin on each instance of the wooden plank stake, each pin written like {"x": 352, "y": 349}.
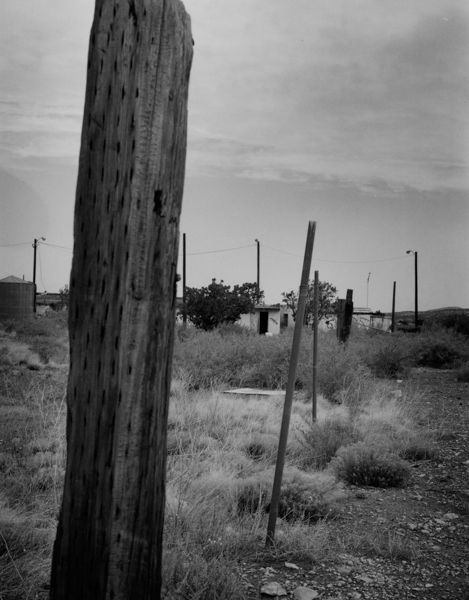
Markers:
{"x": 315, "y": 342}
{"x": 122, "y": 302}
{"x": 344, "y": 317}
{"x": 282, "y": 445}
{"x": 348, "y": 316}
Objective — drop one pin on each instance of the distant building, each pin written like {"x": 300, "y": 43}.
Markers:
{"x": 49, "y": 300}
{"x": 267, "y": 319}
{"x": 364, "y": 317}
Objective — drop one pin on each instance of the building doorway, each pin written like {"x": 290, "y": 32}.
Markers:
{"x": 263, "y": 321}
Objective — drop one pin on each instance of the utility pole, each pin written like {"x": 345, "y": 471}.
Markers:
{"x": 184, "y": 307}
{"x": 35, "y": 244}
{"x": 416, "y": 308}
{"x": 367, "y": 288}
{"x": 258, "y": 269}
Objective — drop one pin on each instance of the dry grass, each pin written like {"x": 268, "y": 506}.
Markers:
{"x": 377, "y": 542}
{"x": 221, "y": 452}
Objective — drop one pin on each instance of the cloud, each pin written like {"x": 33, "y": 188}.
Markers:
{"x": 278, "y": 89}
{"x": 42, "y": 67}
{"x": 374, "y": 92}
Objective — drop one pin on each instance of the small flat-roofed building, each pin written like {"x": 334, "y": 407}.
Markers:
{"x": 267, "y": 319}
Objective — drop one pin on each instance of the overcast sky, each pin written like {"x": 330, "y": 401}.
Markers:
{"x": 353, "y": 114}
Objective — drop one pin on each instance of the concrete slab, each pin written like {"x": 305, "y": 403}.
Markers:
{"x": 255, "y": 392}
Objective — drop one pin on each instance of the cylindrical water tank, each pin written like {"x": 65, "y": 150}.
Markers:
{"x": 16, "y": 298}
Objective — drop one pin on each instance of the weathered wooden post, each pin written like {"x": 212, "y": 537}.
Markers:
{"x": 393, "y": 312}
{"x": 315, "y": 345}
{"x": 344, "y": 316}
{"x": 287, "y": 407}
{"x": 122, "y": 301}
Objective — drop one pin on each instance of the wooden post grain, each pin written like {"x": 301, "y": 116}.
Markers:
{"x": 282, "y": 445}
{"x": 122, "y": 302}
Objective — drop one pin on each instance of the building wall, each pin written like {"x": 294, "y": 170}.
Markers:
{"x": 16, "y": 300}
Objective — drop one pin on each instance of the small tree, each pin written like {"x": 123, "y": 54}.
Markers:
{"x": 210, "y": 306}
{"x": 326, "y": 304}
{"x": 64, "y": 296}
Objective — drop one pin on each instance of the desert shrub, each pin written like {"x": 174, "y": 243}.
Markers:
{"x": 418, "y": 448}
{"x": 206, "y": 359}
{"x": 189, "y": 576}
{"x": 440, "y": 348}
{"x": 379, "y": 542}
{"x": 271, "y": 369}
{"x": 308, "y": 497}
{"x": 260, "y": 446}
{"x": 256, "y": 450}
{"x": 45, "y": 336}
{"x": 304, "y": 496}
{"x": 340, "y": 371}
{"x": 463, "y": 373}
{"x": 252, "y": 496}
{"x": 295, "y": 542}
{"x": 321, "y": 440}
{"x": 387, "y": 356}
{"x": 457, "y": 322}
{"x": 438, "y": 355}
{"x": 178, "y": 442}
{"x": 361, "y": 464}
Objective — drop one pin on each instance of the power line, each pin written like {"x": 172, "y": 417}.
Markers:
{"x": 220, "y": 250}
{"x": 281, "y": 251}
{"x": 371, "y": 260}
{"x": 57, "y": 246}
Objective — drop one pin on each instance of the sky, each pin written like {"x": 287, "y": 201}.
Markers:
{"x": 350, "y": 114}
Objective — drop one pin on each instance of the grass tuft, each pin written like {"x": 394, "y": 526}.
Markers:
{"x": 320, "y": 441}
{"x": 377, "y": 542}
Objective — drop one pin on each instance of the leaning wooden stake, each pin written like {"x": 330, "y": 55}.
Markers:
{"x": 122, "y": 302}
{"x": 282, "y": 445}
{"x": 315, "y": 343}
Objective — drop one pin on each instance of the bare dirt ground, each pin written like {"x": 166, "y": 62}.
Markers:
{"x": 410, "y": 543}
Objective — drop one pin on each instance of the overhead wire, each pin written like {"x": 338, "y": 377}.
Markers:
{"x": 220, "y": 250}
{"x": 371, "y": 260}
{"x": 57, "y": 246}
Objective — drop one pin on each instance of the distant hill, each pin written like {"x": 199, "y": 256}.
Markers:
{"x": 436, "y": 312}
